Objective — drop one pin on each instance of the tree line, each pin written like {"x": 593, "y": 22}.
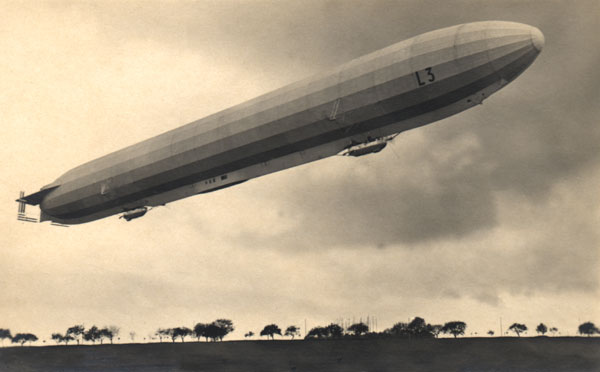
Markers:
{"x": 78, "y": 333}
{"x": 587, "y": 329}
{"x": 415, "y": 328}
{"x": 418, "y": 327}
{"x": 19, "y": 338}
{"x": 220, "y": 328}
{"x": 214, "y": 331}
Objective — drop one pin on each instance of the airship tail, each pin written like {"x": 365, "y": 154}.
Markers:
{"x": 33, "y": 199}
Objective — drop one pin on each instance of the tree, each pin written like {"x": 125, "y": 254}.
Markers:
{"x": 60, "y": 338}
{"x": 5, "y": 333}
{"x": 132, "y": 335}
{"x": 249, "y": 334}
{"x": 76, "y": 332}
{"x": 171, "y": 334}
{"x": 588, "y": 328}
{"x": 92, "y": 334}
{"x": 108, "y": 332}
{"x": 102, "y": 334}
{"x": 271, "y": 330}
{"x": 181, "y": 332}
{"x": 455, "y": 328}
{"x": 212, "y": 332}
{"x": 162, "y": 333}
{"x": 200, "y": 331}
{"x": 57, "y": 337}
{"x": 418, "y": 327}
{"x": 292, "y": 331}
{"x": 541, "y": 328}
{"x": 399, "y": 329}
{"x": 111, "y": 332}
{"x": 518, "y": 328}
{"x": 22, "y": 338}
{"x": 334, "y": 330}
{"x": 553, "y": 330}
{"x": 317, "y": 332}
{"x": 435, "y": 329}
{"x": 224, "y": 326}
{"x": 490, "y": 332}
{"x": 358, "y": 329}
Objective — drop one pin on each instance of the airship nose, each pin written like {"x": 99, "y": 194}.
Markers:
{"x": 537, "y": 39}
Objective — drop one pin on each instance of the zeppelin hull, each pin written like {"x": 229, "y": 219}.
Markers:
{"x": 407, "y": 85}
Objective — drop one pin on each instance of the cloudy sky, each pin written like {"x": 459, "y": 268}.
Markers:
{"x": 492, "y": 213}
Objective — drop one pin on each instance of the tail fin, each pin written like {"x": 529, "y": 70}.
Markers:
{"x": 37, "y": 197}
{"x": 21, "y": 216}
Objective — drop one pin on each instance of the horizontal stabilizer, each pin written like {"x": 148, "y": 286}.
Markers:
{"x": 37, "y": 197}
{"x": 24, "y": 218}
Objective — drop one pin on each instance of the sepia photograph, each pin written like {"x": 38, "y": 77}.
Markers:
{"x": 319, "y": 185}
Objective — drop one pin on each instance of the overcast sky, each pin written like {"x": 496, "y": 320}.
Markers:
{"x": 492, "y": 213}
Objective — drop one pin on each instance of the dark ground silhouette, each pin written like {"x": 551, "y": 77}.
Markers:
{"x": 354, "y": 355}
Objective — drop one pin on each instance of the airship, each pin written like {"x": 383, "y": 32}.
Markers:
{"x": 352, "y": 110}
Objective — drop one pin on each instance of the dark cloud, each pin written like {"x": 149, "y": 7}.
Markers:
{"x": 489, "y": 270}
{"x": 454, "y": 191}
{"x": 405, "y": 199}
{"x": 523, "y": 141}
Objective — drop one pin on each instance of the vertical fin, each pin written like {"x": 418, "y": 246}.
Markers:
{"x": 21, "y": 203}
{"x": 21, "y": 215}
